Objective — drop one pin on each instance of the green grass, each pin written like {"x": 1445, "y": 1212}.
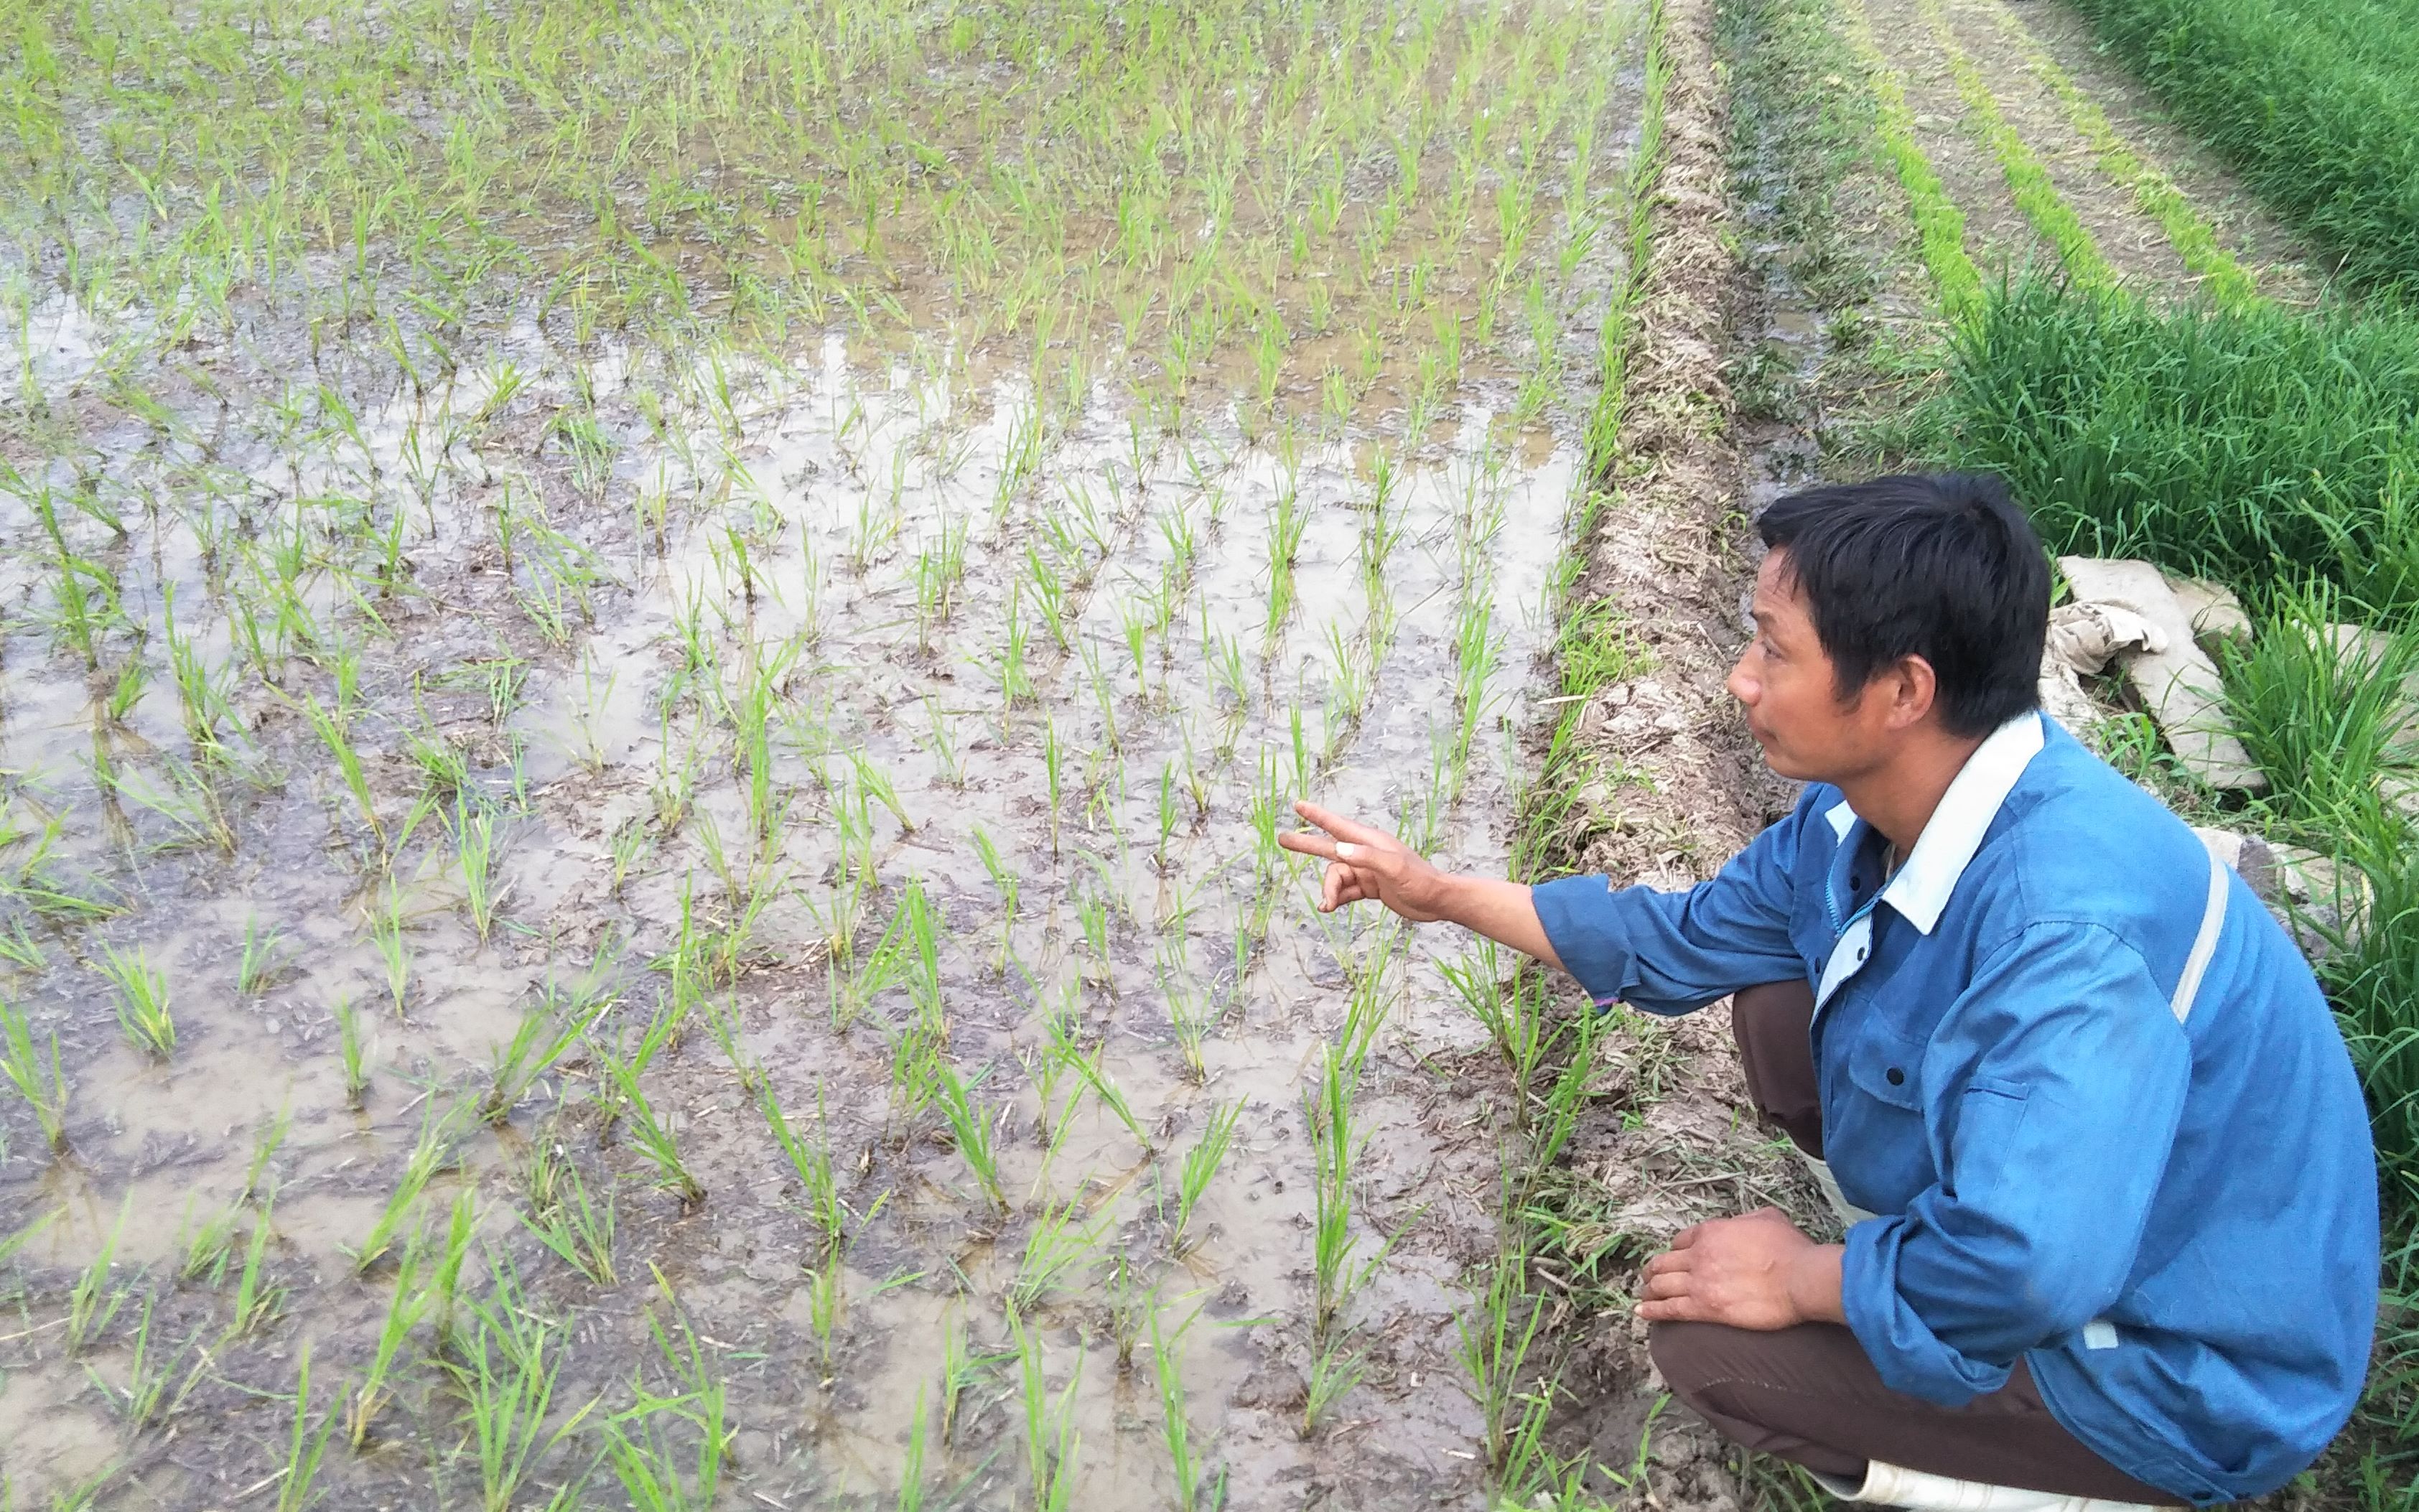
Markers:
{"x": 2247, "y": 446}
{"x": 2310, "y": 100}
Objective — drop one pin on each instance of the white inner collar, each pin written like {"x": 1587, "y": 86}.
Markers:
{"x": 1921, "y": 888}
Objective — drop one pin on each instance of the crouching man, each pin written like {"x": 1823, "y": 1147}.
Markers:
{"x": 2112, "y": 1203}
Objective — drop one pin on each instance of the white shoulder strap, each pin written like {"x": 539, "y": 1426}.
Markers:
{"x": 2212, "y": 921}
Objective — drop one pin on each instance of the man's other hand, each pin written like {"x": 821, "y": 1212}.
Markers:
{"x": 1365, "y": 863}
{"x": 1752, "y": 1272}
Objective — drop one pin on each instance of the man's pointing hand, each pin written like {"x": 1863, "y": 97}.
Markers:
{"x": 1365, "y": 863}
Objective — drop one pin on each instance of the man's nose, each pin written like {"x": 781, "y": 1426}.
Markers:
{"x": 1742, "y": 686}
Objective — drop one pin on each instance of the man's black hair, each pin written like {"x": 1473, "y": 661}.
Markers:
{"x": 1939, "y": 565}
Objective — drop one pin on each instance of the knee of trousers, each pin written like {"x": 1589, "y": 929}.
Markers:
{"x": 1687, "y": 1355}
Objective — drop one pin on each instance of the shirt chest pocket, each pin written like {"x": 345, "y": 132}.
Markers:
{"x": 1874, "y": 1124}
{"x": 1886, "y": 1069}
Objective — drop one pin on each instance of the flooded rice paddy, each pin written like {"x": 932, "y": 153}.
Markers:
{"x": 638, "y": 902}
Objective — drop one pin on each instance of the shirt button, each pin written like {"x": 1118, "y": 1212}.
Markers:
{"x": 1861, "y": 955}
{"x": 1896, "y": 1077}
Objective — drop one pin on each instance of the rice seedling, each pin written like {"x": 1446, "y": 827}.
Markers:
{"x": 338, "y": 740}
{"x": 1333, "y": 1371}
{"x": 405, "y": 1306}
{"x": 648, "y": 1131}
{"x": 352, "y": 1045}
{"x": 1135, "y": 624}
{"x": 639, "y": 1448}
{"x": 959, "y": 1366}
{"x": 1201, "y": 1163}
{"x": 188, "y": 801}
{"x": 1190, "y": 1013}
{"x": 1092, "y": 919}
{"x": 210, "y": 1247}
{"x": 1338, "y": 1270}
{"x": 547, "y": 1032}
{"x": 1008, "y": 668}
{"x": 44, "y": 1092}
{"x": 296, "y": 1484}
{"x": 1058, "y": 1253}
{"x": 1559, "y": 1117}
{"x": 1052, "y": 768}
{"x": 911, "y": 1464}
{"x": 93, "y": 1301}
{"x": 20, "y": 948}
{"x": 1002, "y": 880}
{"x": 1170, "y": 809}
{"x": 264, "y": 961}
{"x": 576, "y": 1229}
{"x": 432, "y": 1153}
{"x": 144, "y": 1399}
{"x": 259, "y": 1299}
{"x": 445, "y": 1283}
{"x": 971, "y": 1126}
{"x": 386, "y": 934}
{"x": 141, "y": 1000}
{"x": 474, "y": 856}
{"x": 653, "y": 1476}
{"x": 1050, "y": 1434}
{"x": 505, "y": 1377}
{"x": 1496, "y": 1344}
{"x": 1132, "y": 1305}
{"x": 1088, "y": 1069}
{"x": 1515, "y": 1020}
{"x": 812, "y": 1162}
{"x": 1175, "y": 1431}
{"x": 628, "y": 844}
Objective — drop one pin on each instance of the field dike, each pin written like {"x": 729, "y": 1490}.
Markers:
{"x": 1648, "y": 775}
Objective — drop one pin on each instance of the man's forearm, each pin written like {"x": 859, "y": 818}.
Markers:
{"x": 1503, "y": 911}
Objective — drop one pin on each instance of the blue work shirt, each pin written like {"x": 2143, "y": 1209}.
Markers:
{"x": 2173, "y": 1219}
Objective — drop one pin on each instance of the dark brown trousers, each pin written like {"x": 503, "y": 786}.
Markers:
{"x": 1809, "y": 1394}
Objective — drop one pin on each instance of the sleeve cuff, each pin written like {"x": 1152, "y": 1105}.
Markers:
{"x": 1906, "y": 1354}
{"x": 1577, "y": 913}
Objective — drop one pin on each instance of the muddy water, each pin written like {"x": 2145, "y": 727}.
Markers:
{"x": 594, "y": 624}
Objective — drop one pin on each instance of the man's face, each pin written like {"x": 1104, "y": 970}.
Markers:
{"x": 1793, "y": 702}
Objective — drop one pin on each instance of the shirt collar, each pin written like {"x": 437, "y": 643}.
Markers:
{"x": 1921, "y": 888}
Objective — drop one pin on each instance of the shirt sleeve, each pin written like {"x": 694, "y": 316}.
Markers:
{"x": 1670, "y": 952}
{"x": 2060, "y": 1076}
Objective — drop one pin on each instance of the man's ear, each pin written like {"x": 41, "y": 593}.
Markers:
{"x": 1911, "y": 686}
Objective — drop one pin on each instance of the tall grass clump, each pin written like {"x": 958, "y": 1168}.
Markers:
{"x": 2324, "y": 710}
{"x": 2243, "y": 445}
{"x": 2311, "y": 99}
